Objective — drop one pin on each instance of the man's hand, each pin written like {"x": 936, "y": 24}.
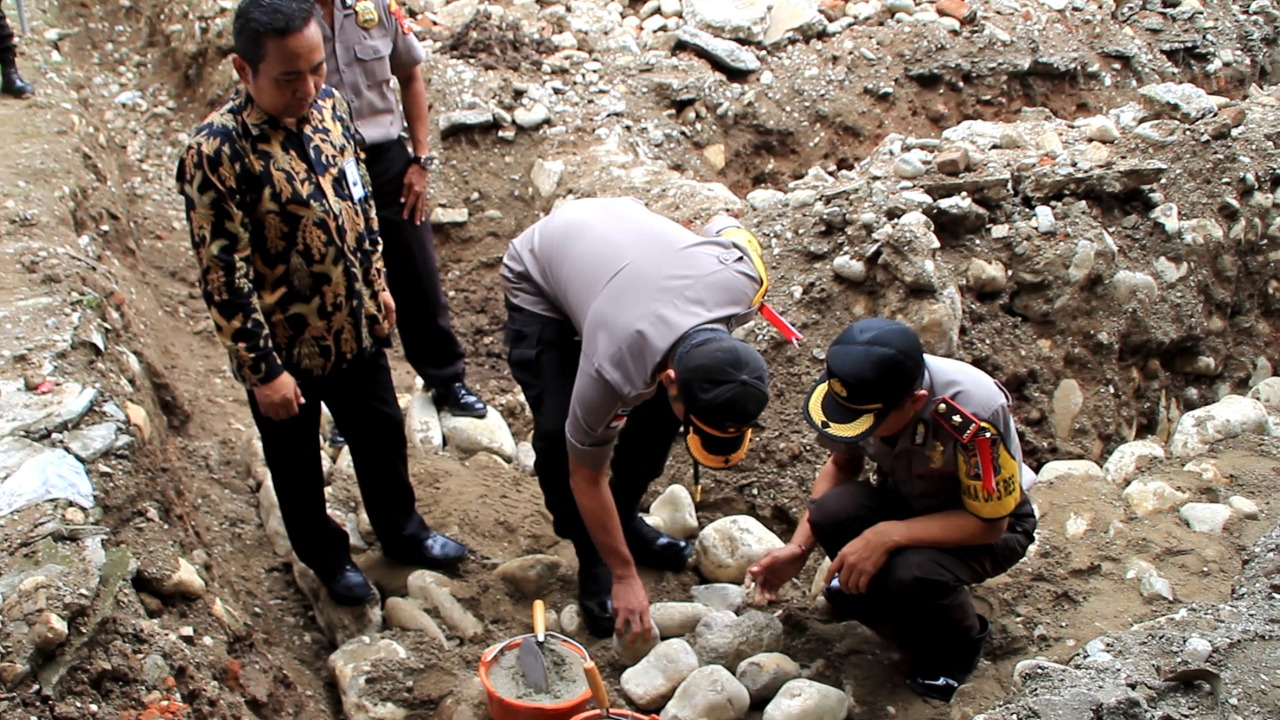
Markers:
{"x": 631, "y": 608}
{"x": 280, "y": 398}
{"x": 388, "y": 307}
{"x": 862, "y": 558}
{"x": 776, "y": 568}
{"x": 413, "y": 195}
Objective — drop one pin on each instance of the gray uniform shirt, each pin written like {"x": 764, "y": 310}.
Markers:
{"x": 631, "y": 282}
{"x": 922, "y": 466}
{"x": 361, "y": 61}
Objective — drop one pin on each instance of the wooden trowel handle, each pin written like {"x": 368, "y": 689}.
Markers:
{"x": 598, "y": 689}
{"x": 539, "y": 621}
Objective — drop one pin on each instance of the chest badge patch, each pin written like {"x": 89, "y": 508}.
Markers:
{"x": 366, "y": 14}
{"x": 936, "y": 455}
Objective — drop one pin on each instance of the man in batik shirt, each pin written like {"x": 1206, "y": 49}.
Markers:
{"x": 285, "y": 232}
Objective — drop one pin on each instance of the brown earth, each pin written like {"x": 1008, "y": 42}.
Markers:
{"x": 186, "y": 493}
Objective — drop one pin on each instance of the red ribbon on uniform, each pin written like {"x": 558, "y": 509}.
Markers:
{"x": 788, "y": 330}
{"x": 986, "y": 463}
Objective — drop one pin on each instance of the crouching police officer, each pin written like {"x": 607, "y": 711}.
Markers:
{"x": 945, "y": 508}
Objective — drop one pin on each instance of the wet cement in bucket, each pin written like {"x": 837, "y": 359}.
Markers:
{"x": 565, "y": 679}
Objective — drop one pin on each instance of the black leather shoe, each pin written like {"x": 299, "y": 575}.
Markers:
{"x": 595, "y": 597}
{"x": 942, "y": 675}
{"x": 458, "y": 399}
{"x": 654, "y": 549}
{"x": 434, "y": 552}
{"x": 14, "y": 85}
{"x": 348, "y": 586}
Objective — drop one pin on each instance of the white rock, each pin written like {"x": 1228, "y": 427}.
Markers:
{"x": 526, "y": 458}
{"x": 409, "y": 614}
{"x": 449, "y": 216}
{"x": 803, "y": 699}
{"x": 1230, "y": 417}
{"x": 1150, "y": 496}
{"x": 92, "y": 442}
{"x": 764, "y": 674}
{"x": 1169, "y": 270}
{"x": 1100, "y": 128}
{"x": 473, "y": 435}
{"x": 1050, "y": 144}
{"x": 185, "y": 581}
{"x": 1153, "y": 586}
{"x": 671, "y": 8}
{"x": 1069, "y": 472}
{"x": 709, "y": 693}
{"x": 1200, "y": 232}
{"x": 650, "y": 683}
{"x": 422, "y": 421}
{"x": 1268, "y": 393}
{"x": 1077, "y": 525}
{"x": 764, "y": 198}
{"x": 728, "y": 546}
{"x": 723, "y": 638}
{"x": 719, "y": 596}
{"x": 1196, "y": 651}
{"x": 678, "y": 513}
{"x": 1244, "y": 507}
{"x": 1045, "y": 222}
{"x": 531, "y": 575}
{"x": 1068, "y": 399}
{"x": 1182, "y": 101}
{"x": 908, "y": 167}
{"x": 351, "y": 666}
{"x": 1167, "y": 216}
{"x": 674, "y": 619}
{"x": 571, "y": 620}
{"x": 532, "y": 116}
{"x": 546, "y": 175}
{"x": 744, "y": 20}
{"x": 986, "y": 277}
{"x": 433, "y": 591}
{"x": 1131, "y": 457}
{"x": 1129, "y": 285}
{"x": 852, "y": 270}
{"x": 1207, "y": 518}
{"x": 48, "y": 632}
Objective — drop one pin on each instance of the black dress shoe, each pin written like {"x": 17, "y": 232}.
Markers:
{"x": 458, "y": 399}
{"x": 434, "y": 552}
{"x": 942, "y": 674}
{"x": 348, "y": 586}
{"x": 654, "y": 549}
{"x": 595, "y": 597}
{"x": 13, "y": 84}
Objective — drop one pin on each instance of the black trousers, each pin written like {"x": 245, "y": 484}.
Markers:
{"x": 8, "y": 45}
{"x": 543, "y": 354}
{"x": 363, "y": 403}
{"x": 920, "y": 598}
{"x": 413, "y": 272}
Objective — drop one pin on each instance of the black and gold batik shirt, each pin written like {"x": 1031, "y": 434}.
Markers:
{"x": 284, "y": 229}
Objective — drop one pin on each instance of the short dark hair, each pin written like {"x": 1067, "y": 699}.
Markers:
{"x": 260, "y": 20}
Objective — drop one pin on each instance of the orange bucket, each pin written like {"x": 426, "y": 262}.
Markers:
{"x": 506, "y": 708}
{"x": 614, "y": 713}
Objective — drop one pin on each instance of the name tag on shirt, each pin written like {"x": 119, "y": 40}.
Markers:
{"x": 352, "y": 171}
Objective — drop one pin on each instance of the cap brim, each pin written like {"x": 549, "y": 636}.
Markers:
{"x": 837, "y": 421}
{"x": 714, "y": 450}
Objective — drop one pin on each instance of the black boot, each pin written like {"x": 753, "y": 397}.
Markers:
{"x": 595, "y": 592}
{"x": 939, "y": 676}
{"x": 654, "y": 549}
{"x": 14, "y": 85}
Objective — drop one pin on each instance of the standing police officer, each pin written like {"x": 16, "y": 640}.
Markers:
{"x": 945, "y": 508}
{"x": 367, "y": 42}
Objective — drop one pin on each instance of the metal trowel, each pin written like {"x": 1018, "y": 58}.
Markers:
{"x": 532, "y": 662}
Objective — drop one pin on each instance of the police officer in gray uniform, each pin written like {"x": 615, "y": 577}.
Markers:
{"x": 944, "y": 509}
{"x": 618, "y": 332}
{"x": 367, "y": 42}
